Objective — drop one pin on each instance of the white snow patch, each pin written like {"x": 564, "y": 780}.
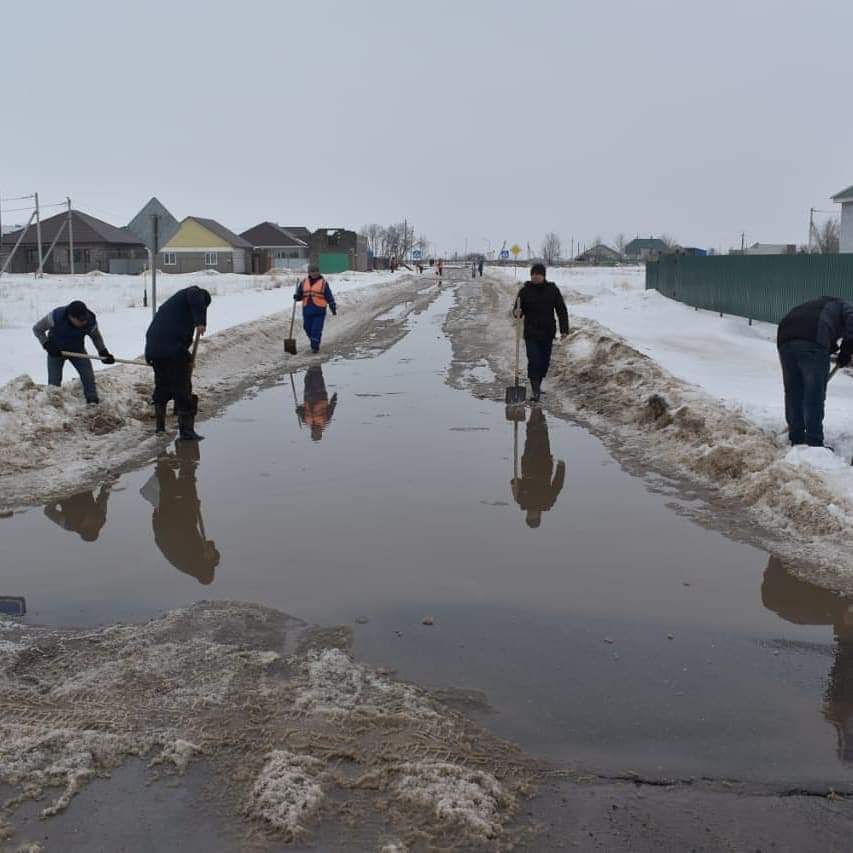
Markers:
{"x": 286, "y": 792}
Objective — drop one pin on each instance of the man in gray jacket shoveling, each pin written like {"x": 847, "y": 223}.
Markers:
{"x": 64, "y": 330}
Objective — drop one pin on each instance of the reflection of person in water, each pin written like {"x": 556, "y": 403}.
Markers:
{"x": 177, "y": 521}
{"x": 539, "y": 486}
{"x": 84, "y": 513}
{"x": 317, "y": 409}
{"x": 803, "y": 604}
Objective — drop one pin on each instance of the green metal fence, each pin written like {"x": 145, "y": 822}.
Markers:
{"x": 760, "y": 287}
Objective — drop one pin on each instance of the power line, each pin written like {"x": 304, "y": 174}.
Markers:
{"x": 17, "y": 197}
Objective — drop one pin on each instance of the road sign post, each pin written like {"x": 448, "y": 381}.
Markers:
{"x": 516, "y": 251}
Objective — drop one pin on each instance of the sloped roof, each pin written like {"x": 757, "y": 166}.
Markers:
{"x": 270, "y": 234}
{"x": 142, "y": 226}
{"x": 645, "y": 243}
{"x": 221, "y": 231}
{"x": 87, "y": 229}
{"x": 844, "y": 195}
{"x": 298, "y": 231}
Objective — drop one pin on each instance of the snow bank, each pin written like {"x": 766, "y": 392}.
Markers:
{"x": 286, "y": 794}
{"x": 117, "y": 300}
{"x": 51, "y": 443}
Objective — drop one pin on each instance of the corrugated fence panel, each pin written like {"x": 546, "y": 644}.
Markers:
{"x": 761, "y": 287}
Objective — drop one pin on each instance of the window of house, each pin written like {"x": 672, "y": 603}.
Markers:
{"x": 81, "y": 256}
{"x": 211, "y": 259}
{"x": 170, "y": 259}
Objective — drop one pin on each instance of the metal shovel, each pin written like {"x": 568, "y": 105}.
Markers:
{"x": 290, "y": 343}
{"x": 516, "y": 394}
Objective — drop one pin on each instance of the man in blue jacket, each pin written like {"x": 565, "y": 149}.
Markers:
{"x": 807, "y": 336}
{"x": 316, "y": 296}
{"x": 167, "y": 350}
{"x": 64, "y": 330}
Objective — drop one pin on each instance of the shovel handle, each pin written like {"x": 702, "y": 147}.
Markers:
{"x": 292, "y": 319}
{"x": 195, "y": 348}
{"x": 98, "y": 358}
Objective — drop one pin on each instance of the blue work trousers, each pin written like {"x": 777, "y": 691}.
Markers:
{"x": 805, "y": 372}
{"x": 313, "y": 319}
{"x": 83, "y": 367}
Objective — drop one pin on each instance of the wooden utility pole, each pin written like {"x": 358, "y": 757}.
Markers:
{"x": 38, "y": 234}
{"x": 70, "y": 236}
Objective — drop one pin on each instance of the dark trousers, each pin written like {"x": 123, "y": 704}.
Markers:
{"x": 805, "y": 371}
{"x": 312, "y": 322}
{"x": 173, "y": 381}
{"x": 83, "y": 367}
{"x": 538, "y": 357}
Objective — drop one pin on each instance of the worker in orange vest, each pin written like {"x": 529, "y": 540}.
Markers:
{"x": 316, "y": 297}
{"x": 317, "y": 409}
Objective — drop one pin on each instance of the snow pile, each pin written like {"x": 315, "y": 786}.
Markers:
{"x": 339, "y": 685}
{"x": 455, "y": 794}
{"x": 286, "y": 792}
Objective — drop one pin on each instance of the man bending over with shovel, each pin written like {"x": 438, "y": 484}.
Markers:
{"x": 316, "y": 296}
{"x": 538, "y": 301}
{"x": 167, "y": 350}
{"x": 63, "y": 330}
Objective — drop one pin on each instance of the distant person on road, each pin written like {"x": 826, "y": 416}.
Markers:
{"x": 439, "y": 268}
{"x": 540, "y": 484}
{"x": 316, "y": 296}
{"x": 473, "y": 269}
{"x": 317, "y": 409}
{"x": 480, "y": 267}
{"x": 537, "y": 302}
{"x": 177, "y": 522}
{"x": 167, "y": 350}
{"x": 807, "y": 336}
{"x": 82, "y": 513}
{"x": 64, "y": 330}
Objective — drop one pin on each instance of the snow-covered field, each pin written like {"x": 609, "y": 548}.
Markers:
{"x": 117, "y": 301}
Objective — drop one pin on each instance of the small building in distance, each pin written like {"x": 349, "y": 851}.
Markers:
{"x": 274, "y": 247}
{"x": 98, "y": 246}
{"x": 337, "y": 250}
{"x": 767, "y": 249}
{"x": 599, "y": 254}
{"x": 644, "y": 249}
{"x": 845, "y": 235}
{"x": 204, "y": 244}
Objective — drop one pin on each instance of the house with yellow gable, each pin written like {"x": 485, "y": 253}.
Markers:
{"x": 204, "y": 244}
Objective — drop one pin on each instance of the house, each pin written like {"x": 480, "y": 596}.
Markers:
{"x": 599, "y": 254}
{"x": 768, "y": 249}
{"x": 142, "y": 224}
{"x": 300, "y": 232}
{"x": 640, "y": 249}
{"x": 845, "y": 236}
{"x": 204, "y": 244}
{"x": 337, "y": 250}
{"x": 273, "y": 247}
{"x": 97, "y": 246}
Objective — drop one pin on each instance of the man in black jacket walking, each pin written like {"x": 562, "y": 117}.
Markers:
{"x": 167, "y": 350}
{"x": 538, "y": 301}
{"x": 806, "y": 337}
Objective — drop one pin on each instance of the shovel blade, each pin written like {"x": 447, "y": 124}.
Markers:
{"x": 516, "y": 395}
{"x": 516, "y": 414}
{"x": 290, "y": 345}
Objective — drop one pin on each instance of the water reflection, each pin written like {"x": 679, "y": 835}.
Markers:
{"x": 803, "y": 604}
{"x": 82, "y": 513}
{"x": 537, "y": 489}
{"x": 317, "y": 409}
{"x": 177, "y": 521}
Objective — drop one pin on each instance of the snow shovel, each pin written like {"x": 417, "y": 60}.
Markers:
{"x": 98, "y": 358}
{"x": 295, "y": 401}
{"x": 194, "y": 397}
{"x": 290, "y": 343}
{"x": 516, "y": 394}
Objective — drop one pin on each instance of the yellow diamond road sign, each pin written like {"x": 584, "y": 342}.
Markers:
{"x": 515, "y": 249}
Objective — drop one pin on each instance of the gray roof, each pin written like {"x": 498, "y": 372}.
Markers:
{"x": 645, "y": 243}
{"x": 223, "y": 232}
{"x": 87, "y": 229}
{"x": 142, "y": 226}
{"x": 298, "y": 231}
{"x": 844, "y": 195}
{"x": 270, "y": 234}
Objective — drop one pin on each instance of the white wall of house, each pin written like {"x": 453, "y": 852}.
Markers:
{"x": 846, "y": 235}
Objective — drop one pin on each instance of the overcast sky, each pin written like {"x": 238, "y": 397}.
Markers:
{"x": 482, "y": 120}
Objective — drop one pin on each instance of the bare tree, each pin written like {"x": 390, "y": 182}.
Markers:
{"x": 619, "y": 243}
{"x": 551, "y": 247}
{"x": 669, "y": 241}
{"x": 373, "y": 233}
{"x": 828, "y": 237}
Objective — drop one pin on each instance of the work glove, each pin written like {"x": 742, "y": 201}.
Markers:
{"x": 107, "y": 357}
{"x": 845, "y": 354}
{"x": 334, "y": 311}
{"x": 52, "y": 349}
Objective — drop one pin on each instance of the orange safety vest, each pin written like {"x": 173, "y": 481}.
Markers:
{"x": 314, "y": 292}
{"x": 317, "y": 414}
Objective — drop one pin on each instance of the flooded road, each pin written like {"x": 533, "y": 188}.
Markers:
{"x": 586, "y": 619}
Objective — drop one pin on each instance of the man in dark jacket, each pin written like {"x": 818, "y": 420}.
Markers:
{"x": 315, "y": 295}
{"x": 82, "y": 513}
{"x": 807, "y": 336}
{"x": 538, "y": 301}
{"x": 167, "y": 349}
{"x": 64, "y": 330}
{"x": 540, "y": 484}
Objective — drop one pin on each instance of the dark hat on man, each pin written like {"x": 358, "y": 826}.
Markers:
{"x": 538, "y": 268}
{"x": 207, "y": 297}
{"x": 78, "y": 310}
{"x": 315, "y": 269}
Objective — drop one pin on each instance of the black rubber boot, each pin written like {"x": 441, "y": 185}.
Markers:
{"x": 160, "y": 417}
{"x": 536, "y": 385}
{"x": 186, "y": 429}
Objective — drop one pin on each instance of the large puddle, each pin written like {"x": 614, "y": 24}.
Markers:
{"x": 604, "y": 629}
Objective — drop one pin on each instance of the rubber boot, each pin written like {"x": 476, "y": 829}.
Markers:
{"x": 160, "y": 417}
{"x": 536, "y": 385}
{"x": 186, "y": 428}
